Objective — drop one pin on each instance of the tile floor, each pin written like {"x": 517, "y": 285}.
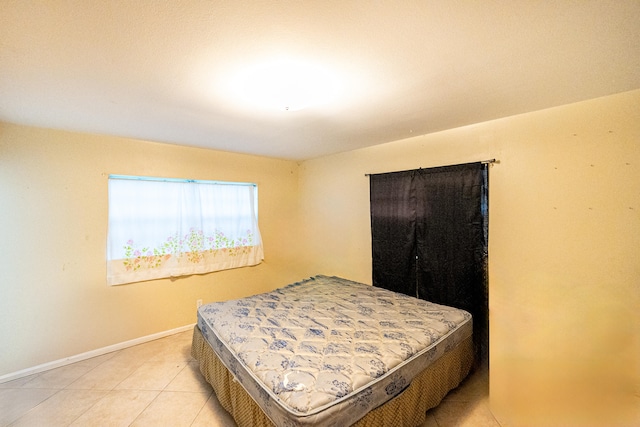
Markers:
{"x": 158, "y": 384}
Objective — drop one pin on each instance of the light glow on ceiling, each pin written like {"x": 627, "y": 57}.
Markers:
{"x": 285, "y": 85}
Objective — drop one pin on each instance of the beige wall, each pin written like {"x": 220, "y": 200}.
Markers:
{"x": 54, "y": 300}
{"x": 564, "y": 283}
{"x": 564, "y": 237}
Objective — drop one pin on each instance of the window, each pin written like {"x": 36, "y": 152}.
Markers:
{"x": 162, "y": 227}
{"x": 429, "y": 237}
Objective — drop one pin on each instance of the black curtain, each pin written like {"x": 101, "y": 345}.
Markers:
{"x": 429, "y": 238}
{"x": 393, "y": 226}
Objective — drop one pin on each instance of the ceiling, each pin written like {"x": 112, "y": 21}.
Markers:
{"x": 162, "y": 70}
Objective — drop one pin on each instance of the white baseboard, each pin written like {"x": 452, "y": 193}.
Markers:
{"x": 89, "y": 354}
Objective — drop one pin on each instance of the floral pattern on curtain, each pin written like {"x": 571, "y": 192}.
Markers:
{"x": 167, "y": 228}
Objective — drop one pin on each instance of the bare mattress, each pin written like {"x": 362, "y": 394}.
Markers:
{"x": 326, "y": 350}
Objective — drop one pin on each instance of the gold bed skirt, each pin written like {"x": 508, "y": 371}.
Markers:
{"x": 407, "y": 409}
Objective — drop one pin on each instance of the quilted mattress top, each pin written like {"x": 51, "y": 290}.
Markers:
{"x": 317, "y": 342}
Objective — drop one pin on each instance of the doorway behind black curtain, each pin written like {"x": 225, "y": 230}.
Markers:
{"x": 429, "y": 239}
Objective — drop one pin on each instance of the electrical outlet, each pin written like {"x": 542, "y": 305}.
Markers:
{"x": 198, "y": 303}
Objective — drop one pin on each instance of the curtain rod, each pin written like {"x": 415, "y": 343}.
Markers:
{"x": 179, "y": 180}
{"x": 484, "y": 162}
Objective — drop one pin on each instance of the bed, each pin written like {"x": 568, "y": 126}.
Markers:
{"x": 328, "y": 351}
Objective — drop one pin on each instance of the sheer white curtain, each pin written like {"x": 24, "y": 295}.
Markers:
{"x": 164, "y": 228}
